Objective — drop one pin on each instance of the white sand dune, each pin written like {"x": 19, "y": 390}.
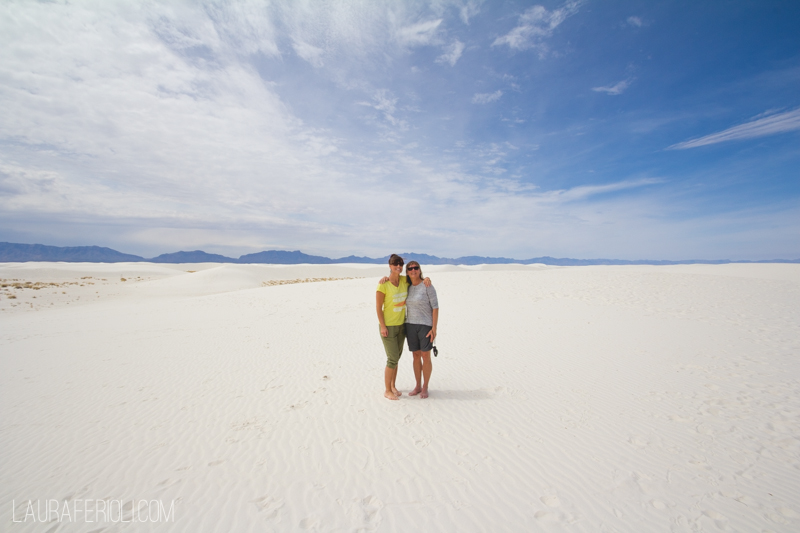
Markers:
{"x": 564, "y": 399}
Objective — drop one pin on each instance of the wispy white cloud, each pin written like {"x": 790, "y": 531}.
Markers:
{"x": 147, "y": 128}
{"x": 585, "y": 191}
{"x": 384, "y": 101}
{"x": 470, "y": 9}
{"x": 452, "y": 54}
{"x": 617, "y": 88}
{"x": 309, "y": 52}
{"x": 780, "y": 123}
{"x": 246, "y": 27}
{"x": 485, "y": 98}
{"x": 634, "y": 21}
{"x": 419, "y": 34}
{"x": 536, "y": 24}
{"x": 492, "y": 160}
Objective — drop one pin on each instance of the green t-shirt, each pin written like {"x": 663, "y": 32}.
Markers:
{"x": 394, "y": 302}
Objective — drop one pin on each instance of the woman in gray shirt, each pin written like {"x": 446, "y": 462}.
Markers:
{"x": 422, "y": 316}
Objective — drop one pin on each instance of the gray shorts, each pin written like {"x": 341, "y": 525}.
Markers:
{"x": 418, "y": 341}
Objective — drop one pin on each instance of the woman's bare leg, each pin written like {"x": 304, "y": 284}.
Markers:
{"x": 417, "y": 373}
{"x": 389, "y": 375}
{"x": 394, "y": 385}
{"x": 427, "y": 368}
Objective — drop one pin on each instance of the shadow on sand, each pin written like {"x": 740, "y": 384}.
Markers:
{"x": 460, "y": 394}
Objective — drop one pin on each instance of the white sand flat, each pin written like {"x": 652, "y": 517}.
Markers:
{"x": 627, "y": 399}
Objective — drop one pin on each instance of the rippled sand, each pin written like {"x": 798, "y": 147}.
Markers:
{"x": 633, "y": 398}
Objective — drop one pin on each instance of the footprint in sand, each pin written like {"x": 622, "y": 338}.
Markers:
{"x": 547, "y": 516}
{"x": 295, "y": 406}
{"x": 788, "y": 513}
{"x": 550, "y": 501}
{"x": 366, "y": 513}
{"x": 658, "y": 504}
{"x": 775, "y": 517}
{"x": 310, "y": 522}
{"x": 269, "y": 506}
{"x": 704, "y": 430}
{"x": 77, "y": 494}
{"x": 422, "y": 442}
{"x": 215, "y": 463}
{"x": 781, "y": 514}
{"x": 638, "y": 441}
{"x": 777, "y": 427}
{"x": 168, "y": 483}
{"x": 698, "y": 461}
{"x": 719, "y": 520}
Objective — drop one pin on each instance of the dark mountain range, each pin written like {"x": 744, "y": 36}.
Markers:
{"x": 198, "y": 256}
{"x": 425, "y": 259}
{"x": 277, "y": 257}
{"x": 13, "y": 253}
{"x": 358, "y": 259}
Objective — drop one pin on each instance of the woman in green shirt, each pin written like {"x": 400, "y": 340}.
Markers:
{"x": 390, "y": 304}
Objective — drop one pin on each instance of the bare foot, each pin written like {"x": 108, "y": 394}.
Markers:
{"x": 389, "y": 396}
{"x": 423, "y": 393}
{"x": 416, "y": 391}
{"x": 397, "y": 392}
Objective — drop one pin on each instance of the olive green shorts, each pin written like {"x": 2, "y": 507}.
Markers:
{"x": 393, "y": 344}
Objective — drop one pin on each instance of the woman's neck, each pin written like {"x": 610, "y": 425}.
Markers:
{"x": 416, "y": 281}
{"x": 394, "y": 278}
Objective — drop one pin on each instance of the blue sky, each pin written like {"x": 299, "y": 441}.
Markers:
{"x": 660, "y": 130}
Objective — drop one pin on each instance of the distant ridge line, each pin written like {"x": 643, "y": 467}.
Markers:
{"x": 23, "y": 253}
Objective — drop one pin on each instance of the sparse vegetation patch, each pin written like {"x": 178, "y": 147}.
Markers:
{"x": 35, "y": 285}
{"x": 274, "y": 282}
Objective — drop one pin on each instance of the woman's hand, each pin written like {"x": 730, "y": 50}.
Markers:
{"x": 432, "y": 334}
{"x": 384, "y": 279}
{"x": 427, "y": 282}
{"x": 384, "y": 331}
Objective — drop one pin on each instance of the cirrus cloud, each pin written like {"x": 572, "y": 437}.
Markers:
{"x": 486, "y": 98}
{"x": 770, "y": 125}
{"x": 536, "y": 24}
{"x": 452, "y": 54}
{"x": 613, "y": 90}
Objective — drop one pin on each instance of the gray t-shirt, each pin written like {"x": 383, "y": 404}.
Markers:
{"x": 420, "y": 303}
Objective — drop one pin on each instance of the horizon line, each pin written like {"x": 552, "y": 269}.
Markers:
{"x": 499, "y": 260}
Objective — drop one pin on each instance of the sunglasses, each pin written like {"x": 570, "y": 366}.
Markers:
{"x": 397, "y": 264}
{"x": 412, "y": 268}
